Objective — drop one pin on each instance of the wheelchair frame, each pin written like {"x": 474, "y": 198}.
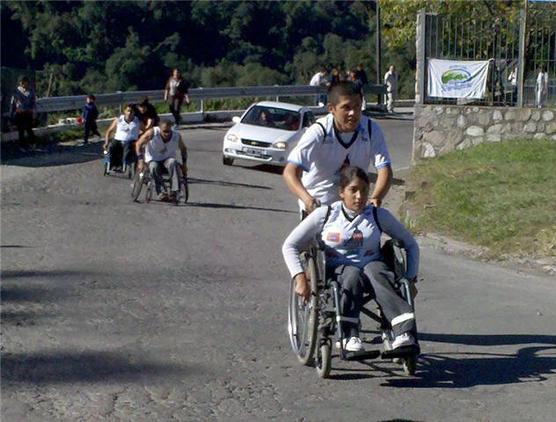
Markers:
{"x": 312, "y": 325}
{"x": 144, "y": 178}
{"x": 127, "y": 168}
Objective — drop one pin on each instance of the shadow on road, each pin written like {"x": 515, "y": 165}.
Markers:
{"x": 90, "y": 366}
{"x": 50, "y": 154}
{"x": 194, "y": 180}
{"x": 20, "y": 318}
{"x": 236, "y": 207}
{"x": 14, "y": 246}
{"x": 265, "y": 168}
{"x": 468, "y": 369}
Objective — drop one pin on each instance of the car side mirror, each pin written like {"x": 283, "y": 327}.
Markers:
{"x": 236, "y": 119}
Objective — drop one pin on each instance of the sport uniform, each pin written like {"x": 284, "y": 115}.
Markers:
{"x": 157, "y": 153}
{"x": 126, "y": 135}
{"x": 322, "y": 151}
{"x": 352, "y": 247}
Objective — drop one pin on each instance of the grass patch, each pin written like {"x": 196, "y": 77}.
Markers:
{"x": 501, "y": 196}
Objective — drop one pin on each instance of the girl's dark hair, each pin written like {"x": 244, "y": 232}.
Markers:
{"x": 349, "y": 173}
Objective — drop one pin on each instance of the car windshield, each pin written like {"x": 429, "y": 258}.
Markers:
{"x": 273, "y": 117}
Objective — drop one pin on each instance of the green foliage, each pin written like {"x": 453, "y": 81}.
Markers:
{"x": 501, "y": 196}
{"x": 83, "y": 47}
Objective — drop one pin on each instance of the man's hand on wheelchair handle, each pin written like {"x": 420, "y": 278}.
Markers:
{"x": 311, "y": 204}
{"x": 302, "y": 287}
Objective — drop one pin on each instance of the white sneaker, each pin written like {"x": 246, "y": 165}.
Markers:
{"x": 353, "y": 345}
{"x": 402, "y": 340}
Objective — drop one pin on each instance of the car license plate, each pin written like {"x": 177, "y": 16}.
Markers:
{"x": 251, "y": 151}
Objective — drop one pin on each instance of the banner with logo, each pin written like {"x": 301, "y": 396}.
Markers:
{"x": 457, "y": 79}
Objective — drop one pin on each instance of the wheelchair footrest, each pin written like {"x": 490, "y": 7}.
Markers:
{"x": 363, "y": 355}
{"x": 401, "y": 352}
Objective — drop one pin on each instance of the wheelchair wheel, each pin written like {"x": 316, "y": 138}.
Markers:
{"x": 324, "y": 359}
{"x": 409, "y": 365}
{"x": 303, "y": 317}
{"x": 137, "y": 186}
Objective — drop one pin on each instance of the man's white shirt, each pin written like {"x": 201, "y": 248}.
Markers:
{"x": 321, "y": 156}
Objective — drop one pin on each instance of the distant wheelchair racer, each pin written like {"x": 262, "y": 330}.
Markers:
{"x": 161, "y": 145}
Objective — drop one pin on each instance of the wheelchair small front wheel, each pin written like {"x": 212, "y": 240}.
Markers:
{"x": 409, "y": 365}
{"x": 323, "y": 362}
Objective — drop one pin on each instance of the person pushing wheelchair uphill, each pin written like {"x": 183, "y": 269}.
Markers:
{"x": 337, "y": 265}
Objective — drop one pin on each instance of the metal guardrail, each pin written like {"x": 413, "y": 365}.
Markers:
{"x": 50, "y": 104}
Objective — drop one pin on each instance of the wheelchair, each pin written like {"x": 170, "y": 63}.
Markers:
{"x": 313, "y": 326}
{"x": 114, "y": 161}
{"x": 144, "y": 181}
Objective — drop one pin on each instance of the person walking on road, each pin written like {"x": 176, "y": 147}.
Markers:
{"x": 391, "y": 82}
{"x": 90, "y": 115}
{"x": 23, "y": 111}
{"x": 176, "y": 92}
{"x": 343, "y": 137}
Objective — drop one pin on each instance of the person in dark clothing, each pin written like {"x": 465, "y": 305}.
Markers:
{"x": 90, "y": 115}
{"x": 146, "y": 112}
{"x": 362, "y": 75}
{"x": 23, "y": 111}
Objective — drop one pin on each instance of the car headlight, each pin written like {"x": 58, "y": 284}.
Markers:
{"x": 232, "y": 137}
{"x": 280, "y": 145}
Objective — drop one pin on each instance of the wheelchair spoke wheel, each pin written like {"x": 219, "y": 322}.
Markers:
{"x": 324, "y": 359}
{"x": 303, "y": 317}
{"x": 137, "y": 186}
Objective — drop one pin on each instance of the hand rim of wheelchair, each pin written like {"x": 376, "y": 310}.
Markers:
{"x": 302, "y": 326}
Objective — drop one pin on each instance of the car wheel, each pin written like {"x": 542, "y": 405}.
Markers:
{"x": 227, "y": 161}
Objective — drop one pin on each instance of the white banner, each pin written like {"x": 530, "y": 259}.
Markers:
{"x": 457, "y": 79}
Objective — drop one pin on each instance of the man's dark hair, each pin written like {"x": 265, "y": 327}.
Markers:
{"x": 24, "y": 79}
{"x": 349, "y": 173}
{"x": 91, "y": 97}
{"x": 342, "y": 88}
{"x": 165, "y": 124}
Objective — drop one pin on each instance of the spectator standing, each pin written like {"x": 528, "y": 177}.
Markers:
{"x": 512, "y": 79}
{"x": 175, "y": 93}
{"x": 23, "y": 111}
{"x": 391, "y": 82}
{"x": 319, "y": 79}
{"x": 541, "y": 87}
{"x": 358, "y": 84}
{"x": 90, "y": 116}
{"x": 361, "y": 74}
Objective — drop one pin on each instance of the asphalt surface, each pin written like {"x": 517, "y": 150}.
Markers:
{"x": 113, "y": 310}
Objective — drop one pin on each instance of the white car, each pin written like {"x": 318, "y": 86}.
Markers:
{"x": 266, "y": 132}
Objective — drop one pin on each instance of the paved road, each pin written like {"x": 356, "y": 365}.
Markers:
{"x": 121, "y": 311}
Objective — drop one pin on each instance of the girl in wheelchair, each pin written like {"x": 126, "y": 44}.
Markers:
{"x": 349, "y": 231}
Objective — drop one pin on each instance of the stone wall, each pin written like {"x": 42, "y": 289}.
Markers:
{"x": 440, "y": 129}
